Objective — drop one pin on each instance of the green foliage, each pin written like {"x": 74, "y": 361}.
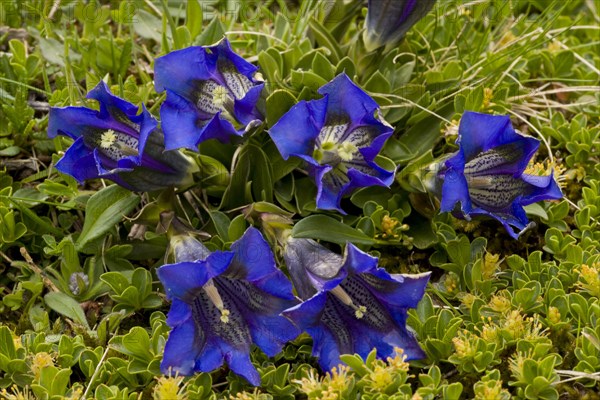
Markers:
{"x": 82, "y": 310}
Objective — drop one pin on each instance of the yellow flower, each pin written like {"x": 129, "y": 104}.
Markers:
{"x": 167, "y": 388}
{"x": 40, "y": 361}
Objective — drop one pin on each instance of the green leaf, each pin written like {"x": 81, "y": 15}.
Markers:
{"x": 105, "y": 209}
{"x": 193, "y": 17}
{"x": 326, "y": 40}
{"x": 67, "y": 306}
{"x": 326, "y": 228}
{"x": 278, "y": 104}
{"x": 212, "y": 33}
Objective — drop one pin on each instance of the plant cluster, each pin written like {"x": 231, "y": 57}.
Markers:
{"x": 314, "y": 200}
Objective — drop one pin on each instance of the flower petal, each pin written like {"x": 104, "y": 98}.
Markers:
{"x": 245, "y": 108}
{"x": 79, "y": 162}
{"x": 179, "y": 313}
{"x": 312, "y": 267}
{"x": 297, "y": 129}
{"x": 239, "y": 362}
{"x": 75, "y": 122}
{"x": 543, "y": 188}
{"x": 346, "y": 99}
{"x": 185, "y": 279}
{"x": 210, "y": 358}
{"x": 185, "y": 127}
{"x": 254, "y": 262}
{"x": 115, "y": 108}
{"x": 388, "y": 21}
{"x": 481, "y": 132}
{"x": 455, "y": 189}
{"x": 181, "y": 350}
{"x": 181, "y": 70}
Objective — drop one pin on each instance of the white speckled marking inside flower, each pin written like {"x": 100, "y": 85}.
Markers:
{"x": 114, "y": 144}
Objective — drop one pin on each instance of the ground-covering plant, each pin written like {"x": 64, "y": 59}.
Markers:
{"x": 280, "y": 168}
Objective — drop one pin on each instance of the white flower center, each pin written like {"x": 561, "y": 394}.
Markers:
{"x": 334, "y": 153}
{"x": 344, "y": 297}
{"x": 220, "y": 96}
{"x": 107, "y": 139}
{"x": 214, "y": 296}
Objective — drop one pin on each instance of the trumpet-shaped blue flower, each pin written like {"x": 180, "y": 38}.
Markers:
{"x": 339, "y": 137}
{"x": 117, "y": 144}
{"x": 211, "y": 94}
{"x": 222, "y": 302}
{"x": 388, "y": 20}
{"x": 486, "y": 176}
{"x": 355, "y": 306}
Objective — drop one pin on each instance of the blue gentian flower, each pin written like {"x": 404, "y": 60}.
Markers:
{"x": 355, "y": 306}
{"x": 339, "y": 137}
{"x": 117, "y": 144}
{"x": 388, "y": 20}
{"x": 222, "y": 302}
{"x": 486, "y": 176}
{"x": 211, "y": 94}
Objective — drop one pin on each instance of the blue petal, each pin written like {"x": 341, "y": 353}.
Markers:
{"x": 271, "y": 332}
{"x": 357, "y": 261}
{"x": 481, "y": 132}
{"x": 210, "y": 358}
{"x": 254, "y": 261}
{"x": 358, "y": 179}
{"x": 297, "y": 129}
{"x": 309, "y": 312}
{"x": 185, "y": 279}
{"x": 328, "y": 196}
{"x": 312, "y": 267}
{"x": 179, "y": 313}
{"x": 402, "y": 337}
{"x": 515, "y": 217}
{"x": 74, "y": 121}
{"x": 239, "y": 362}
{"x": 346, "y": 99}
{"x": 180, "y": 70}
{"x": 455, "y": 190}
{"x": 181, "y": 350}
{"x": 113, "y": 107}
{"x": 544, "y": 188}
{"x": 409, "y": 292}
{"x": 223, "y": 50}
{"x": 245, "y": 109}
{"x": 79, "y": 162}
{"x": 185, "y": 127}
{"x": 383, "y": 132}
{"x": 325, "y": 347}
{"x": 147, "y": 125}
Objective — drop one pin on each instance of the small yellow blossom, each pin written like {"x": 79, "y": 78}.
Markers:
{"x": 463, "y": 346}
{"x": 490, "y": 265}
{"x": 589, "y": 279}
{"x": 388, "y": 225}
{"x": 514, "y": 324}
{"x": 499, "y": 303}
{"x": 40, "y": 361}
{"x": 380, "y": 377}
{"x": 168, "y": 388}
{"x": 468, "y": 299}
{"x": 488, "y": 94}
{"x": 397, "y": 362}
{"x": 17, "y": 394}
{"x": 554, "y": 315}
